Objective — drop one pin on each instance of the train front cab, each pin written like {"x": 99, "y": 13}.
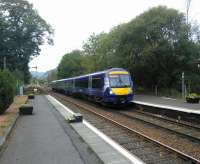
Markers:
{"x": 119, "y": 88}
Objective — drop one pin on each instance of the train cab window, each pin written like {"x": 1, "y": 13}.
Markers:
{"x": 118, "y": 81}
{"x": 97, "y": 82}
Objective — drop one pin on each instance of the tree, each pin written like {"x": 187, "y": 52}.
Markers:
{"x": 157, "y": 46}
{"x": 22, "y": 32}
{"x": 7, "y": 90}
{"x": 70, "y": 65}
{"x": 94, "y": 52}
{"x": 52, "y": 75}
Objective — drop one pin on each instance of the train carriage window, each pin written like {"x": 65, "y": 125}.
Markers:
{"x": 82, "y": 83}
{"x": 85, "y": 83}
{"x": 70, "y": 84}
{"x": 97, "y": 82}
{"x": 76, "y": 83}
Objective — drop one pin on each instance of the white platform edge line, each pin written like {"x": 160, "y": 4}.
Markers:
{"x": 108, "y": 140}
{"x": 167, "y": 107}
{"x": 168, "y": 98}
{"x": 115, "y": 145}
{"x": 68, "y": 110}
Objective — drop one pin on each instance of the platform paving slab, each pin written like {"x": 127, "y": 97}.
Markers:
{"x": 177, "y": 104}
{"x": 39, "y": 139}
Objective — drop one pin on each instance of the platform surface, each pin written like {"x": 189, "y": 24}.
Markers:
{"x": 39, "y": 139}
{"x": 174, "y": 104}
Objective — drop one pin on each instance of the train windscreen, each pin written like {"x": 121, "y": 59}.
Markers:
{"x": 119, "y": 81}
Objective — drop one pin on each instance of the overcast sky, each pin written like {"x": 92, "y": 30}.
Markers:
{"x": 75, "y": 20}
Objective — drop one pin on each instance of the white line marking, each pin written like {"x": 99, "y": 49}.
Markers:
{"x": 113, "y": 143}
{"x": 168, "y": 107}
{"x": 107, "y": 139}
{"x": 168, "y": 98}
{"x": 52, "y": 98}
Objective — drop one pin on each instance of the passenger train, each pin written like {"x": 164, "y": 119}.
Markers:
{"x": 113, "y": 86}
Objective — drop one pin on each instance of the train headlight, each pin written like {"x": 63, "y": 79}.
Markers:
{"x": 130, "y": 91}
{"x": 111, "y": 92}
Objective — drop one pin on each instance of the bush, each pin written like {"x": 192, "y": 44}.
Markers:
{"x": 31, "y": 96}
{"x": 192, "y": 98}
{"x": 7, "y": 90}
{"x": 26, "y": 109}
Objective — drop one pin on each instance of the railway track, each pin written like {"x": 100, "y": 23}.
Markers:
{"x": 172, "y": 120}
{"x": 118, "y": 127}
{"x": 184, "y": 129}
{"x": 182, "y": 117}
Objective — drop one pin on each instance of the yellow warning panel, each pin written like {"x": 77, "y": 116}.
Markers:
{"x": 118, "y": 73}
{"x": 120, "y": 91}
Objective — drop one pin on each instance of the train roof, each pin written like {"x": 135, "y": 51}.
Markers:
{"x": 92, "y": 74}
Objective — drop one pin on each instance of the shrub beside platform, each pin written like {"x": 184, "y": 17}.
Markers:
{"x": 192, "y": 98}
{"x": 8, "y": 119}
{"x": 26, "y": 109}
{"x": 31, "y": 96}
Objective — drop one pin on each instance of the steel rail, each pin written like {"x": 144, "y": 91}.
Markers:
{"x": 157, "y": 116}
{"x": 189, "y": 137}
{"x": 182, "y": 123}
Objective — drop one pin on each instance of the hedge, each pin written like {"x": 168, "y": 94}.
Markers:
{"x": 7, "y": 90}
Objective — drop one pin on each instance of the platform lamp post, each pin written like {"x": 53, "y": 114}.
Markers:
{"x": 183, "y": 84}
{"x": 198, "y": 63}
{"x": 4, "y": 62}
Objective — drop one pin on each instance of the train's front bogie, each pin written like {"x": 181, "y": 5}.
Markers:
{"x": 119, "y": 87}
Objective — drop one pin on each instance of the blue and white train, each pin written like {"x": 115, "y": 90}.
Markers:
{"x": 112, "y": 86}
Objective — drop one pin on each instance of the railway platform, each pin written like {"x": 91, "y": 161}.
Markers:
{"x": 46, "y": 137}
{"x": 40, "y": 138}
{"x": 167, "y": 103}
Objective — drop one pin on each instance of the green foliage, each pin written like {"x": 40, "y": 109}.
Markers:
{"x": 193, "y": 96}
{"x": 155, "y": 47}
{"x": 70, "y": 65}
{"x": 26, "y": 109}
{"x": 7, "y": 90}
{"x": 52, "y": 75}
{"x": 31, "y": 96}
{"x": 22, "y": 31}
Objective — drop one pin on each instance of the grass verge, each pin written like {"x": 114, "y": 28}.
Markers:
{"x": 11, "y": 114}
